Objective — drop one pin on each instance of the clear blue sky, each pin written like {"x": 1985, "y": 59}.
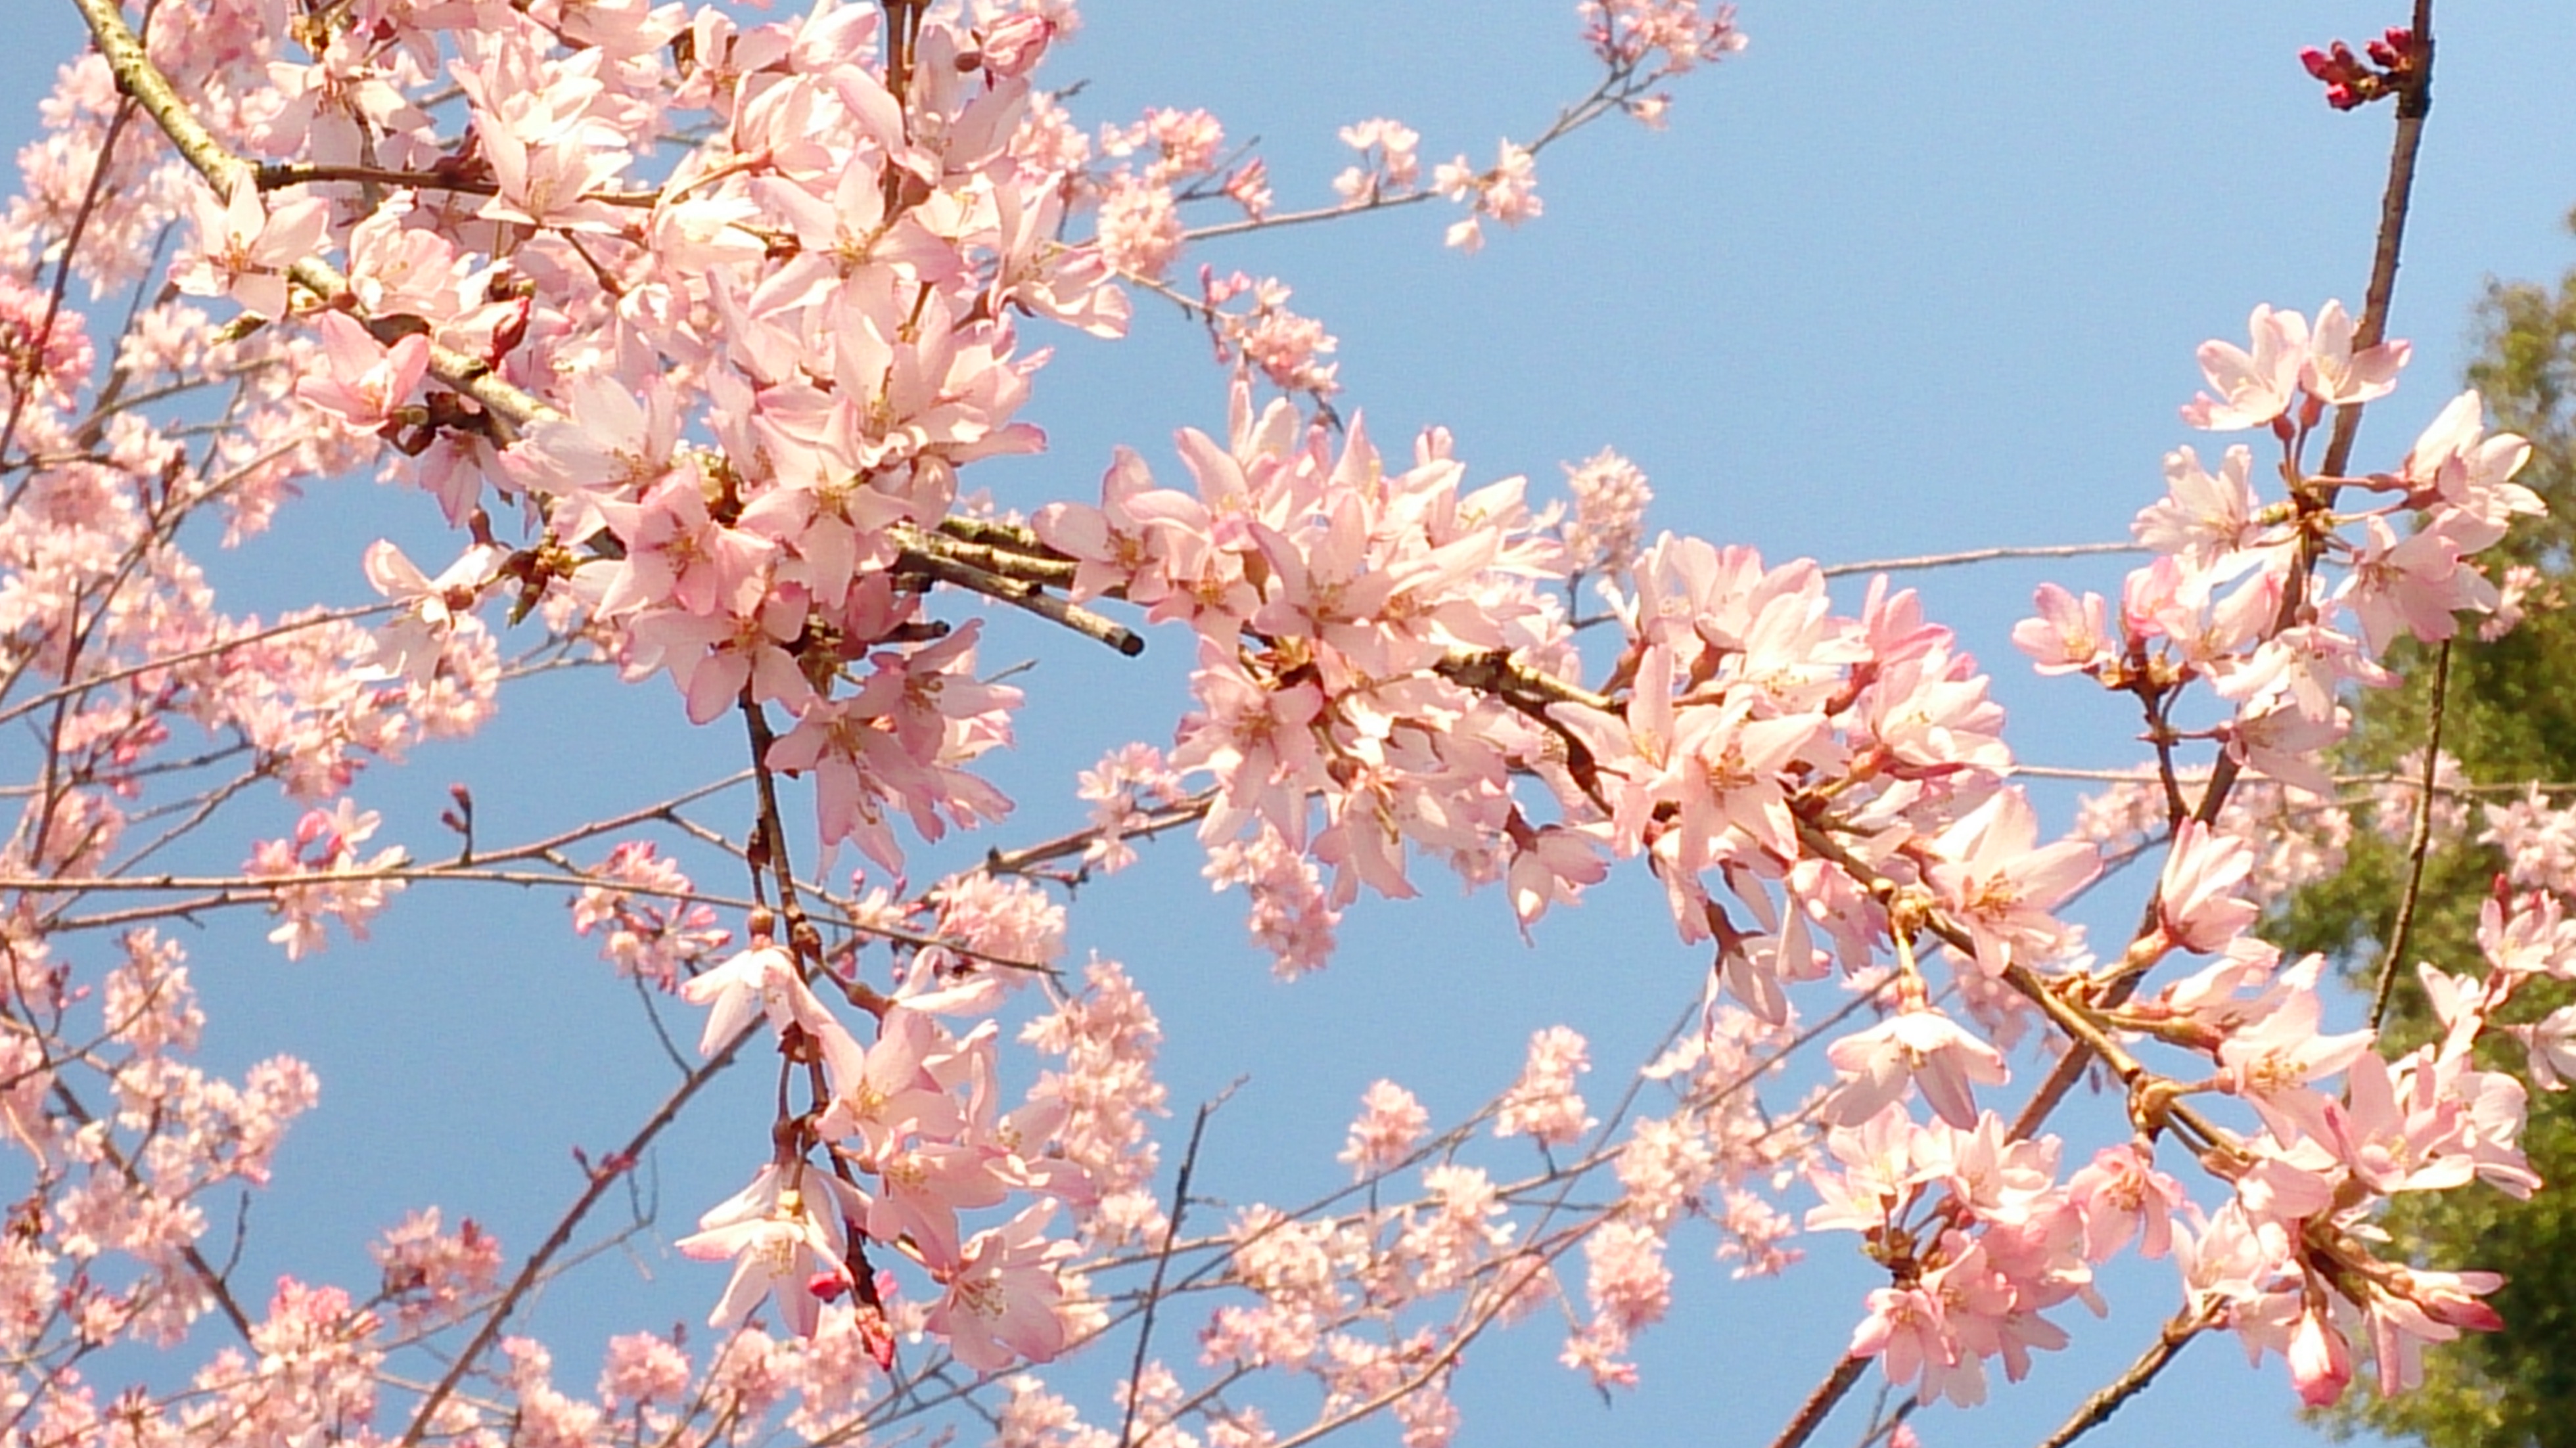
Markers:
{"x": 1900, "y": 279}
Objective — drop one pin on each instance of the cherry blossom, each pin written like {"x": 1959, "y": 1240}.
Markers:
{"x": 701, "y": 330}
{"x": 2253, "y": 387}
{"x": 244, "y": 248}
{"x": 1921, "y": 1047}
{"x": 784, "y": 1232}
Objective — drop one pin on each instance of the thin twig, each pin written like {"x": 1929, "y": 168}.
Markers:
{"x": 1029, "y": 857}
{"x": 1978, "y": 555}
{"x": 1617, "y": 86}
{"x": 190, "y": 656}
{"x": 2419, "y": 841}
{"x": 1163, "y": 1261}
{"x": 2182, "y": 1329}
{"x": 62, "y": 277}
{"x": 215, "y": 1285}
{"x": 533, "y": 1270}
{"x": 2396, "y": 197}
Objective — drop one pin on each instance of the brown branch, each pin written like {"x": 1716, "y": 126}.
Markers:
{"x": 2395, "y": 199}
{"x": 1163, "y": 1263}
{"x": 994, "y": 549}
{"x": 804, "y": 943}
{"x": 533, "y": 1270}
{"x": 2185, "y": 1326}
{"x": 1494, "y": 672}
{"x": 1619, "y": 84}
{"x": 1978, "y": 555}
{"x": 2087, "y": 1040}
{"x": 2414, "y": 103}
{"x": 1377, "y": 201}
{"x": 2469, "y": 790}
{"x": 1811, "y": 1414}
{"x": 1029, "y": 596}
{"x": 278, "y": 175}
{"x": 220, "y": 892}
{"x": 2419, "y": 842}
{"x": 216, "y": 1288}
{"x": 1029, "y": 857}
{"x": 62, "y": 277}
{"x": 216, "y": 650}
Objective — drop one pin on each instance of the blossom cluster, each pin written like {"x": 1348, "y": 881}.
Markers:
{"x": 919, "y": 1112}
{"x": 705, "y": 409}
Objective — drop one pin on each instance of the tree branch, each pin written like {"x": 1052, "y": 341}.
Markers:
{"x": 2181, "y": 1330}
{"x": 533, "y": 1270}
{"x": 2419, "y": 841}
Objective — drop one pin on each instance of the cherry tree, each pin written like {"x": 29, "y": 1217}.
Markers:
{"x": 701, "y": 327}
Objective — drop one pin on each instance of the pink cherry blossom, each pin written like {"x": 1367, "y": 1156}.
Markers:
{"x": 2068, "y": 635}
{"x": 2196, "y": 900}
{"x": 1003, "y": 1302}
{"x": 784, "y": 1232}
{"x": 2121, "y": 1196}
{"x": 245, "y": 249}
{"x": 2338, "y": 376}
{"x": 2203, "y": 516}
{"x": 411, "y": 645}
{"x": 1921, "y": 1047}
{"x": 2272, "y": 1062}
{"x": 2253, "y": 387}
{"x": 367, "y": 385}
{"x": 726, "y": 313}
{"x": 1544, "y": 1103}
{"x": 761, "y": 979}
{"x": 2003, "y": 885}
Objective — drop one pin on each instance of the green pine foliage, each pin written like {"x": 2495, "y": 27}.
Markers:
{"x": 2510, "y": 718}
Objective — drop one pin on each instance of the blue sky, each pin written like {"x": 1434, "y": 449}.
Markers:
{"x": 1898, "y": 280}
